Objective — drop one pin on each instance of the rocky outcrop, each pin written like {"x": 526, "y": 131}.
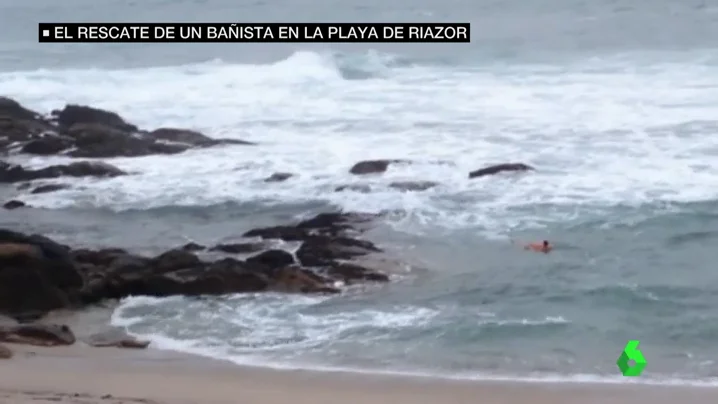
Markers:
{"x": 18, "y": 123}
{"x": 373, "y": 166}
{"x": 12, "y": 109}
{"x": 40, "y": 334}
{"x": 74, "y": 114}
{"x": 413, "y": 186}
{"x": 116, "y": 338}
{"x": 497, "y": 168}
{"x": 192, "y": 138}
{"x": 361, "y": 188}
{"x": 88, "y": 132}
{"x": 43, "y": 189}
{"x": 17, "y": 173}
{"x": 14, "y": 204}
{"x": 237, "y": 248}
{"x": 37, "y": 334}
{"x": 38, "y": 275}
{"x": 278, "y": 177}
{"x": 92, "y": 140}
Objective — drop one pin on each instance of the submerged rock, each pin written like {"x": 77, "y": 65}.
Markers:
{"x": 373, "y": 166}
{"x": 16, "y": 173}
{"x": 278, "y": 177}
{"x": 413, "y": 185}
{"x": 13, "y": 204}
{"x": 42, "y": 189}
{"x": 238, "y": 248}
{"x": 495, "y": 169}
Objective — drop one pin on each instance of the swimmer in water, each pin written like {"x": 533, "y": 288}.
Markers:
{"x": 544, "y": 247}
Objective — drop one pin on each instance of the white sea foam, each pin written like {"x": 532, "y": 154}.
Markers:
{"x": 278, "y": 336}
{"x": 601, "y": 132}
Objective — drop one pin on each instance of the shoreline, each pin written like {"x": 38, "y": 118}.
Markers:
{"x": 81, "y": 374}
{"x": 558, "y": 379}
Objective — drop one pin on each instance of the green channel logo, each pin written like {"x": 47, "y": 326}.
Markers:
{"x": 631, "y": 353}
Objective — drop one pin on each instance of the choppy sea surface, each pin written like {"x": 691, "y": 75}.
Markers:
{"x": 615, "y": 103}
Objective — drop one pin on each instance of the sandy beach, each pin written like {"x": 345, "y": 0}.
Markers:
{"x": 80, "y": 374}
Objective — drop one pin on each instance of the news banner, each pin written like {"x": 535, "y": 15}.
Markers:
{"x": 254, "y": 32}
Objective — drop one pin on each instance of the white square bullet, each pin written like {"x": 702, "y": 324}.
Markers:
{"x": 45, "y": 32}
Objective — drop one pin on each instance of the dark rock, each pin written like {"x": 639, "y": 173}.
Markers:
{"x": 193, "y": 247}
{"x": 87, "y": 134}
{"x": 116, "y": 338}
{"x": 365, "y": 189}
{"x": 372, "y": 166}
{"x": 5, "y": 352}
{"x": 278, "y": 177}
{"x": 192, "y": 138}
{"x": 272, "y": 259}
{"x": 14, "y": 204}
{"x": 218, "y": 278}
{"x": 128, "y": 266}
{"x": 174, "y": 260}
{"x": 286, "y": 233}
{"x": 18, "y": 130}
{"x": 38, "y": 334}
{"x": 73, "y": 114}
{"x": 19, "y": 124}
{"x": 47, "y": 145}
{"x": 238, "y": 248}
{"x": 317, "y": 251}
{"x": 181, "y": 136}
{"x": 294, "y": 279}
{"x": 495, "y": 169}
{"x": 84, "y": 131}
{"x": 334, "y": 223}
{"x": 49, "y": 188}
{"x": 14, "y": 109}
{"x": 323, "y": 223}
{"x": 36, "y": 275}
{"x": 351, "y": 273}
{"x": 102, "y": 257}
{"x": 98, "y": 140}
{"x": 88, "y": 169}
{"x": 16, "y": 173}
{"x": 413, "y": 185}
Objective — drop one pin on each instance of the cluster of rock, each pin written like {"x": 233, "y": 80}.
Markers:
{"x": 40, "y": 334}
{"x": 87, "y": 132}
{"x": 38, "y": 275}
{"x": 368, "y": 167}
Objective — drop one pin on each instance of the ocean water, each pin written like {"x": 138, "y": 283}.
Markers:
{"x": 616, "y": 104}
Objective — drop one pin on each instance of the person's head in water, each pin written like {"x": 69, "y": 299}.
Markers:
{"x": 544, "y": 246}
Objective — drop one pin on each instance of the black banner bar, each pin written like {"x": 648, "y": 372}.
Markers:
{"x": 254, "y": 32}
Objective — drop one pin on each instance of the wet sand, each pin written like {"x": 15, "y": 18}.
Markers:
{"x": 83, "y": 375}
